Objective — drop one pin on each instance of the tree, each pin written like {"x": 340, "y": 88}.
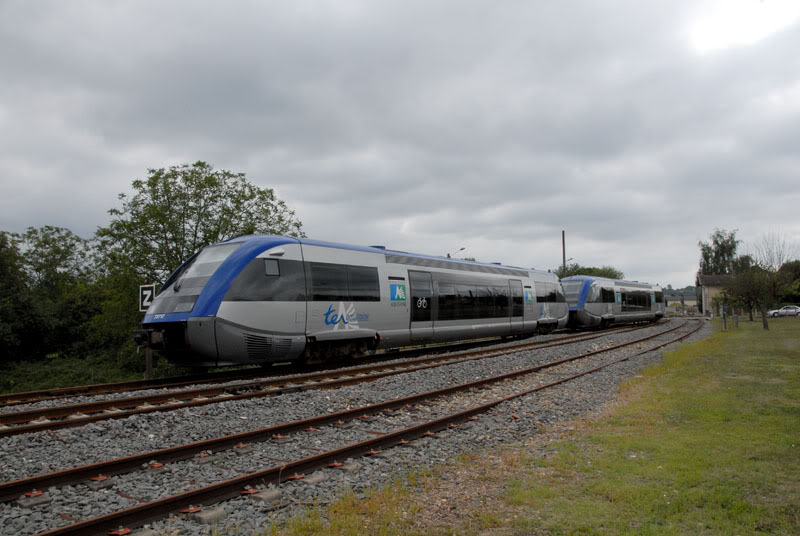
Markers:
{"x": 18, "y": 323}
{"x": 758, "y": 278}
{"x": 789, "y": 272}
{"x": 577, "y": 269}
{"x": 175, "y": 212}
{"x": 716, "y": 257}
{"x": 60, "y": 273}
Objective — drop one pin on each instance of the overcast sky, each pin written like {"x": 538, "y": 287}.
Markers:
{"x": 637, "y": 127}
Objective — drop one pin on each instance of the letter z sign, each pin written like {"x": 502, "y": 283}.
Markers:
{"x": 146, "y": 295}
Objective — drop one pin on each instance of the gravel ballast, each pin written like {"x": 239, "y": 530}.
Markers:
{"x": 26, "y": 455}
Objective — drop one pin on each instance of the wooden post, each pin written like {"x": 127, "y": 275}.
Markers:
{"x": 148, "y": 363}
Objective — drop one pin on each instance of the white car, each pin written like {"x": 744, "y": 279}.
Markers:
{"x": 786, "y": 310}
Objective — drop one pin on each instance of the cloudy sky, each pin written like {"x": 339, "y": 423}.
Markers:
{"x": 636, "y": 127}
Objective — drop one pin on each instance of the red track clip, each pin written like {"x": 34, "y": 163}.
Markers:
{"x": 402, "y": 443}
{"x": 339, "y": 422}
{"x": 365, "y": 416}
{"x": 156, "y": 465}
{"x": 335, "y": 464}
{"x": 296, "y": 476}
{"x": 452, "y": 425}
{"x": 203, "y": 455}
{"x": 312, "y": 429}
{"x": 99, "y": 478}
{"x": 387, "y": 410}
{"x": 372, "y": 452}
{"x": 191, "y": 510}
{"x": 34, "y": 493}
{"x": 474, "y": 418}
{"x": 278, "y": 436}
{"x": 120, "y": 531}
{"x": 240, "y": 446}
{"x": 251, "y": 491}
{"x": 429, "y": 434}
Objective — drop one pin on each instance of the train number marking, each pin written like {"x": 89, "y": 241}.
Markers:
{"x": 422, "y": 303}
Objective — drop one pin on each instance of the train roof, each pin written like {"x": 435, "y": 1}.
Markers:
{"x": 400, "y": 257}
{"x": 622, "y": 282}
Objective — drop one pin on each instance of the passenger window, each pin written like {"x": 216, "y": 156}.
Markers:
{"x": 329, "y": 282}
{"x": 363, "y": 283}
{"x": 255, "y": 283}
{"x": 447, "y": 302}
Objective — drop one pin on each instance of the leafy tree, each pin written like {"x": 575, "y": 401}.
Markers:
{"x": 750, "y": 287}
{"x": 716, "y": 257}
{"x": 577, "y": 269}
{"x": 177, "y": 211}
{"x": 60, "y": 273}
{"x": 789, "y": 272}
{"x": 18, "y": 323}
{"x": 760, "y": 279}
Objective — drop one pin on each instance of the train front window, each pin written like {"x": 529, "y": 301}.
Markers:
{"x": 204, "y": 265}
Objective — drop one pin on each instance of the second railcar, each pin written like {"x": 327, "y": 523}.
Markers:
{"x": 600, "y": 301}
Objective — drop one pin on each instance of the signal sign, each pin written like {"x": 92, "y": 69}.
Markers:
{"x": 146, "y": 295}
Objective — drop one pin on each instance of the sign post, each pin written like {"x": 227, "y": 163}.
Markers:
{"x": 146, "y": 295}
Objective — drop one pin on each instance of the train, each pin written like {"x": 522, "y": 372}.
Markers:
{"x": 600, "y": 301}
{"x": 265, "y": 299}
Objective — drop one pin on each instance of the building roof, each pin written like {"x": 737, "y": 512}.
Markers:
{"x": 715, "y": 280}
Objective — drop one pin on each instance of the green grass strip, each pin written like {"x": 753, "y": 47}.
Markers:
{"x": 707, "y": 443}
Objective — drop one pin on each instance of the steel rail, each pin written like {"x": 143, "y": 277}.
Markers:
{"x": 80, "y": 414}
{"x": 147, "y": 512}
{"x": 13, "y": 490}
{"x": 58, "y": 393}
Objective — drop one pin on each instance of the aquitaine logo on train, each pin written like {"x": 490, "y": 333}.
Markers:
{"x": 397, "y": 292}
{"x": 344, "y": 317}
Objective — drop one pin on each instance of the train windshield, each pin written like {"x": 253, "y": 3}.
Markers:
{"x": 572, "y": 290}
{"x": 198, "y": 269}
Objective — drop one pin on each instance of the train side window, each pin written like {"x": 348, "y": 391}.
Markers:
{"x": 362, "y": 282}
{"x": 501, "y": 307}
{"x": 254, "y": 284}
{"x": 271, "y": 267}
{"x": 467, "y": 299}
{"x": 659, "y": 297}
{"x": 447, "y": 302}
{"x": 607, "y": 295}
{"x": 328, "y": 282}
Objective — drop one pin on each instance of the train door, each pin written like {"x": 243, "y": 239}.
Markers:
{"x": 517, "y": 305}
{"x": 421, "y": 305}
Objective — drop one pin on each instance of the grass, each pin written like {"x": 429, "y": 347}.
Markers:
{"x": 708, "y": 442}
{"x": 59, "y": 371}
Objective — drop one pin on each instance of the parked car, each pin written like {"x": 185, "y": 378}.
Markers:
{"x": 786, "y": 310}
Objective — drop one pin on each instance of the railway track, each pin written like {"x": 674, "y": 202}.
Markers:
{"x": 68, "y": 416}
{"x": 293, "y": 468}
{"x": 62, "y": 393}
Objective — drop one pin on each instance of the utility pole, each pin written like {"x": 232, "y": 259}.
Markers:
{"x": 563, "y": 253}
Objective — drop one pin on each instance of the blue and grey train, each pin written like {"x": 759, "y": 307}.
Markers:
{"x": 599, "y": 301}
{"x": 266, "y": 299}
